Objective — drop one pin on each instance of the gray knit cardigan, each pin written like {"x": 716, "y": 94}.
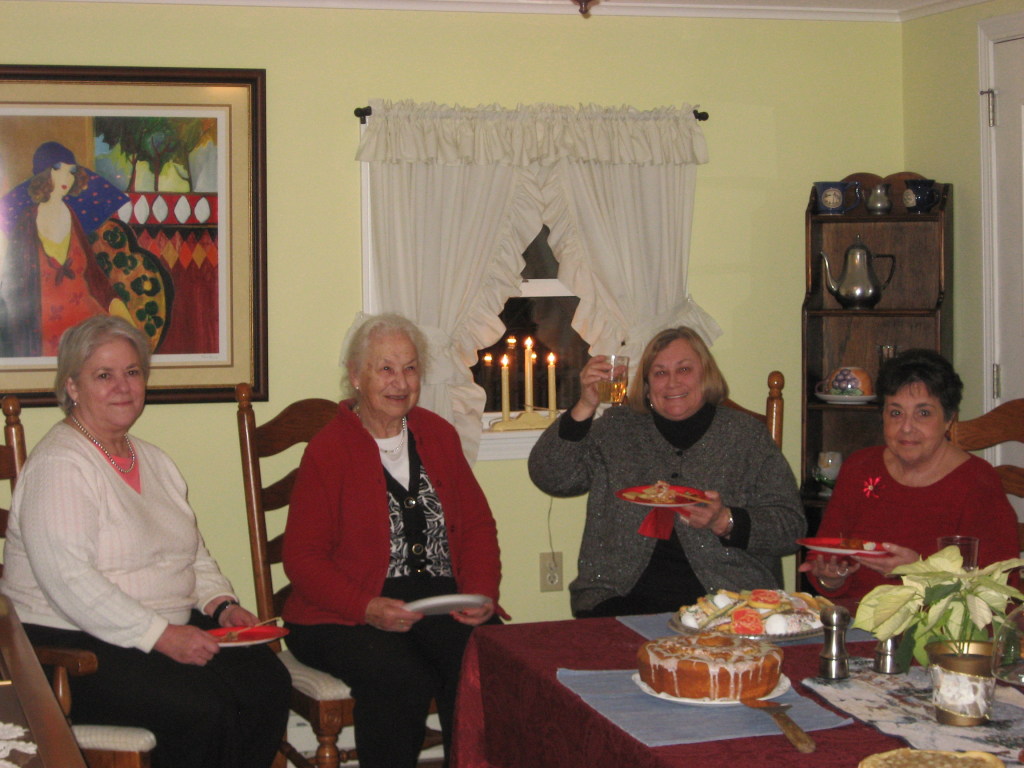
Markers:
{"x": 623, "y": 448}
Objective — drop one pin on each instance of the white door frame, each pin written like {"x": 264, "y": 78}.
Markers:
{"x": 990, "y": 33}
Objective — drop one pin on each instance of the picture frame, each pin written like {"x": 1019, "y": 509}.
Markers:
{"x": 168, "y": 225}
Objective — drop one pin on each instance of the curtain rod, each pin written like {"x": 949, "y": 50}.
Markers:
{"x": 364, "y": 112}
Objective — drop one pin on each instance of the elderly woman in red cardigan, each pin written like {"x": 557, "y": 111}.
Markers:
{"x": 386, "y": 511}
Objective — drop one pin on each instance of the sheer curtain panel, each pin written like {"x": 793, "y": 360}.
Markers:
{"x": 457, "y": 194}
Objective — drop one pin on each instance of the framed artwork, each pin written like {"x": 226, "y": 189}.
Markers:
{"x": 137, "y": 192}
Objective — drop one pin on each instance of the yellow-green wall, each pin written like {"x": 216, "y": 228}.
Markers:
{"x": 791, "y": 102}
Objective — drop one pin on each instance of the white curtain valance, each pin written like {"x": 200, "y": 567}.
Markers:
{"x": 539, "y": 134}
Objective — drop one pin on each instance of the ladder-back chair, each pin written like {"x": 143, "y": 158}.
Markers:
{"x": 1003, "y": 424}
{"x": 103, "y": 746}
{"x": 323, "y": 700}
{"x": 772, "y": 416}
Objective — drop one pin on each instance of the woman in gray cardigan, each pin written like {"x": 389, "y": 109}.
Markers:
{"x": 674, "y": 429}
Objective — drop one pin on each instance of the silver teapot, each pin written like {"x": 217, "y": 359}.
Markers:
{"x": 858, "y": 287}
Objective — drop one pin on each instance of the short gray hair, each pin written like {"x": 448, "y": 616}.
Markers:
{"x": 78, "y": 343}
{"x": 361, "y": 337}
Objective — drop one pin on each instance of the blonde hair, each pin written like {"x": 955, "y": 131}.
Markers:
{"x": 79, "y": 342}
{"x": 713, "y": 385}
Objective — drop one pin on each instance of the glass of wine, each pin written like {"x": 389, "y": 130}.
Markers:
{"x": 1008, "y": 651}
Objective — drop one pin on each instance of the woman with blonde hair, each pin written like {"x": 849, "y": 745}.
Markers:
{"x": 673, "y": 429}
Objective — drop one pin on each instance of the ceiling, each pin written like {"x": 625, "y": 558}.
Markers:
{"x": 828, "y": 10}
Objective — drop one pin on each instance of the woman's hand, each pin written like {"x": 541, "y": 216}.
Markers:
{"x": 598, "y": 368}
{"x": 831, "y": 572}
{"x": 187, "y": 644}
{"x": 709, "y": 514}
{"x": 474, "y": 617}
{"x": 389, "y": 615}
{"x": 237, "y": 616}
{"x": 897, "y": 556}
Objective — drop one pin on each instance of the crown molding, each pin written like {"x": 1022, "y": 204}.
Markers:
{"x": 813, "y": 10}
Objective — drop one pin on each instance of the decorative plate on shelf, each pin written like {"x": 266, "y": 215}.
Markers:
{"x": 845, "y": 399}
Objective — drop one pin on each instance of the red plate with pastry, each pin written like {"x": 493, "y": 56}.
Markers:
{"x": 661, "y": 494}
{"x": 242, "y": 636}
{"x": 845, "y": 546}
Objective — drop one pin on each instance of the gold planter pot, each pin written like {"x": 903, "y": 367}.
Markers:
{"x": 962, "y": 682}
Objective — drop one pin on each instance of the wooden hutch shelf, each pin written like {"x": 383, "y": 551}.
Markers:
{"x": 915, "y": 310}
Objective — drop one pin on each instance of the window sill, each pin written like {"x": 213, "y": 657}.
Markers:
{"x": 497, "y": 446}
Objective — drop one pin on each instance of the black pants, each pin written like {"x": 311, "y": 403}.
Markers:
{"x": 393, "y": 675}
{"x": 230, "y": 713}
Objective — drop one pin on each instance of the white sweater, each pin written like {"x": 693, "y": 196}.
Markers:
{"x": 85, "y": 551}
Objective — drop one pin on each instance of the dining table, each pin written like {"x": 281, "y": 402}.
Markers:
{"x": 517, "y": 708}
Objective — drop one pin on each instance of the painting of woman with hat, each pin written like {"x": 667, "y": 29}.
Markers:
{"x": 67, "y": 259}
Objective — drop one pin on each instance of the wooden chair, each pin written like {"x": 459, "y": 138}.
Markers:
{"x": 772, "y": 416}
{"x": 102, "y": 746}
{"x": 1003, "y": 424}
{"x": 323, "y": 700}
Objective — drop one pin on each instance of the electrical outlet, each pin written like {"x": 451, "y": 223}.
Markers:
{"x": 551, "y": 572}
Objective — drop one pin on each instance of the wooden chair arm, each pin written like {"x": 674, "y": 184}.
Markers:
{"x": 64, "y": 662}
{"x": 74, "y": 660}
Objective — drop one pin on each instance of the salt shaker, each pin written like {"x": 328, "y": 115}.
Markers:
{"x": 834, "y": 661}
{"x": 885, "y": 656}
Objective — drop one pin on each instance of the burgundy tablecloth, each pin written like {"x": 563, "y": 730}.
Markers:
{"x": 513, "y": 713}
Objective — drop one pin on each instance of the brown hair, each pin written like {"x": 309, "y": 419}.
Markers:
{"x": 713, "y": 385}
{"x": 40, "y": 186}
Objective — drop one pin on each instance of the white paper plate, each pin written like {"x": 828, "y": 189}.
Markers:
{"x": 431, "y": 606}
{"x": 783, "y": 686}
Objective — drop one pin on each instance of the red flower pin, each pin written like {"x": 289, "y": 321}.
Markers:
{"x": 871, "y": 486}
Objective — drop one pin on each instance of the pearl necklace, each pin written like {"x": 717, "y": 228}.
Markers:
{"x": 397, "y": 449}
{"x": 106, "y": 453}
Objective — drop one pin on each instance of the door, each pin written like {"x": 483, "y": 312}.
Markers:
{"x": 1004, "y": 216}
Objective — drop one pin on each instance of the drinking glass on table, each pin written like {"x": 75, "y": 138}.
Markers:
{"x": 613, "y": 389}
{"x": 968, "y": 546}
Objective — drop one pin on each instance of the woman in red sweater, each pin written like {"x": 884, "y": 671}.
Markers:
{"x": 386, "y": 511}
{"x": 915, "y": 488}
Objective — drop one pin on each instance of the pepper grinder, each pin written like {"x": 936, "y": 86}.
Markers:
{"x": 834, "y": 661}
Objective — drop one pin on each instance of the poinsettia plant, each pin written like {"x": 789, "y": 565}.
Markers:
{"x": 939, "y": 601}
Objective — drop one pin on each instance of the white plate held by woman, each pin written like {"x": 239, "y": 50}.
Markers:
{"x": 430, "y": 606}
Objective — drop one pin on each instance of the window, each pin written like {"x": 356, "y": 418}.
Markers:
{"x": 451, "y": 195}
{"x": 544, "y": 315}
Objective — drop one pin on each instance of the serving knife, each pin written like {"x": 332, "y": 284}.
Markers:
{"x": 796, "y": 735}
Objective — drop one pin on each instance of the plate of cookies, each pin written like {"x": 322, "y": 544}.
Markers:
{"x": 760, "y": 614}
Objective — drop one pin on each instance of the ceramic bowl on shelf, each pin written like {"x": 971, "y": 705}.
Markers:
{"x": 847, "y": 385}
{"x": 847, "y": 381}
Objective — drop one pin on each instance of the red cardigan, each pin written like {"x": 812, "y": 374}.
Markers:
{"x": 337, "y": 540}
{"x": 868, "y": 504}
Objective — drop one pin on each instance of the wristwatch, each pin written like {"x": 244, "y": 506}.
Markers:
{"x": 221, "y": 608}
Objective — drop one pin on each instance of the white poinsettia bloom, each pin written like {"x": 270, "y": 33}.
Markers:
{"x": 939, "y": 601}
